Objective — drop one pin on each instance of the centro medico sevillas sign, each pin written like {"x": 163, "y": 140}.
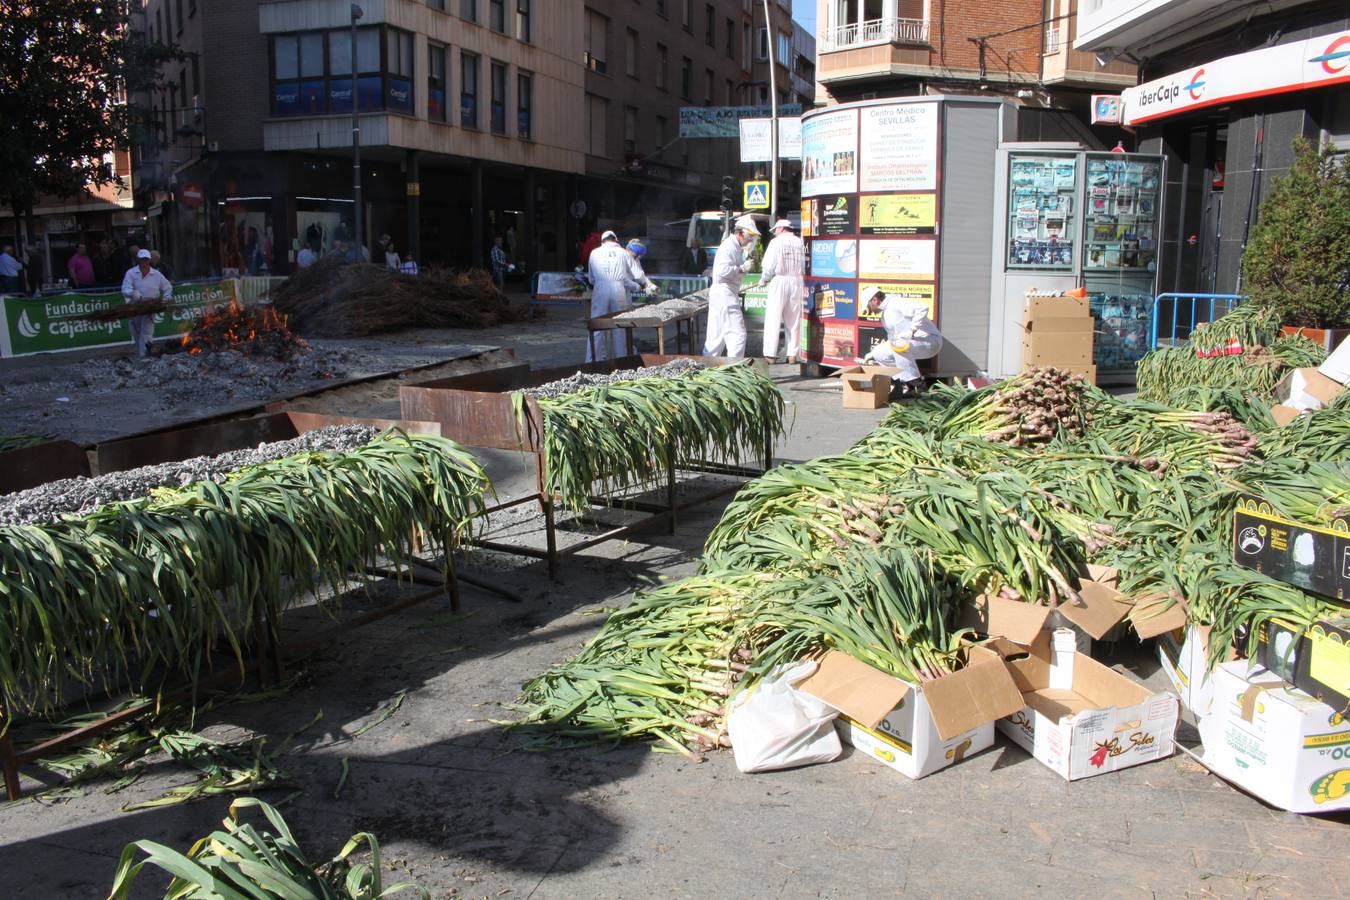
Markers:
{"x": 58, "y": 323}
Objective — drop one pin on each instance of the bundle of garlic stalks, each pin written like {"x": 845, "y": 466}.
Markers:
{"x": 877, "y": 550}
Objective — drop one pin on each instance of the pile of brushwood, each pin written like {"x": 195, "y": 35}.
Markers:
{"x": 627, "y": 432}
{"x": 1231, "y": 364}
{"x": 333, "y": 300}
{"x": 1009, "y": 490}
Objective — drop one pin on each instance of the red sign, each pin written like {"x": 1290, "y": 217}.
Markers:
{"x": 192, "y": 194}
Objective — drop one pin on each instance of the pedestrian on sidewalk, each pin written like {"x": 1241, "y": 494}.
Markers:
{"x": 11, "y": 280}
{"x": 144, "y": 282}
{"x": 80, "y": 267}
{"x": 783, "y": 267}
{"x": 500, "y": 264}
{"x": 726, "y": 314}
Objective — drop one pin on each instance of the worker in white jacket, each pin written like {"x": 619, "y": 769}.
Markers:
{"x": 726, "y": 314}
{"x": 612, "y": 282}
{"x": 144, "y": 282}
{"x": 910, "y": 335}
{"x": 782, "y": 270}
{"x": 637, "y": 250}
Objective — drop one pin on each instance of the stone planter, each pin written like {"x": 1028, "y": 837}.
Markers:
{"x": 1329, "y": 338}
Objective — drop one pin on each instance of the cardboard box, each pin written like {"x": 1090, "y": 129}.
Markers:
{"x": 1022, "y": 623}
{"x": 1276, "y": 742}
{"x": 1313, "y": 558}
{"x": 1055, "y": 307}
{"x": 917, "y": 729}
{"x": 1307, "y": 389}
{"x": 1337, "y": 366}
{"x": 1184, "y": 658}
{"x": 866, "y": 387}
{"x": 1064, "y": 325}
{"x": 1316, "y": 661}
{"x": 1057, "y": 348}
{"x": 1283, "y": 415}
{"x": 1081, "y": 718}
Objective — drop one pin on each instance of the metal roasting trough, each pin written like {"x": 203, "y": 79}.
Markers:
{"x": 477, "y": 410}
{"x": 62, "y": 459}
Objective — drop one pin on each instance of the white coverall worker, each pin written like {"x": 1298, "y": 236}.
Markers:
{"x": 637, "y": 250}
{"x": 142, "y": 282}
{"x": 910, "y": 334}
{"x": 726, "y": 314}
{"x": 611, "y": 283}
{"x": 783, "y": 268}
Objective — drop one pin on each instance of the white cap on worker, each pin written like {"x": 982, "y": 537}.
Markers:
{"x": 143, "y": 254}
{"x": 609, "y": 236}
{"x": 869, "y": 293}
{"x": 782, "y": 224}
{"x": 747, "y": 223}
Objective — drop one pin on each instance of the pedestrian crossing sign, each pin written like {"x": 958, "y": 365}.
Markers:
{"x": 756, "y": 195}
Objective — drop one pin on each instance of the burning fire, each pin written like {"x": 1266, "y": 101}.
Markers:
{"x": 252, "y": 330}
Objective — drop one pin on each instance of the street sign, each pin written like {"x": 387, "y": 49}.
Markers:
{"x": 755, "y": 139}
{"x": 756, "y": 195}
{"x": 1106, "y": 109}
{"x": 192, "y": 194}
{"x": 721, "y": 121}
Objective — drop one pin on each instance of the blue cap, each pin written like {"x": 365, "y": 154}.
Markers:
{"x": 637, "y": 247}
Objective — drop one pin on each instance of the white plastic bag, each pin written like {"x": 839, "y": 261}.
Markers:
{"x": 775, "y": 726}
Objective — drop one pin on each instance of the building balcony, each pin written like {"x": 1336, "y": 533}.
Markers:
{"x": 874, "y": 32}
{"x": 1061, "y": 64}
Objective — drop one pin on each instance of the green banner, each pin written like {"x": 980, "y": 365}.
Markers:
{"x": 58, "y": 323}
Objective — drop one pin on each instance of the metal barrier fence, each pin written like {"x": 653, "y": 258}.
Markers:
{"x": 1175, "y": 315}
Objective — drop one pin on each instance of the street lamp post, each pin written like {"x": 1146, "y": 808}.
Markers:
{"x": 356, "y": 142}
{"x": 769, "y": 35}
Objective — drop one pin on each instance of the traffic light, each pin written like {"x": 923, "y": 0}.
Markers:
{"x": 728, "y": 192}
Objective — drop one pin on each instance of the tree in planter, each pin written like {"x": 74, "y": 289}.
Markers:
{"x": 69, "y": 73}
{"x": 1297, "y": 259}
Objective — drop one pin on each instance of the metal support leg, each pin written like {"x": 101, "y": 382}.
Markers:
{"x": 8, "y": 761}
{"x": 670, "y": 496}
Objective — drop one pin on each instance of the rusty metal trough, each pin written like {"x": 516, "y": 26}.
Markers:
{"x": 477, "y": 410}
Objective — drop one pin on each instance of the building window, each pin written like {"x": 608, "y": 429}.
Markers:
{"x": 437, "y": 4}
{"x": 179, "y": 7}
{"x": 630, "y": 54}
{"x": 497, "y": 15}
{"x": 498, "y": 98}
{"x": 523, "y": 20}
{"x": 710, "y": 25}
{"x": 524, "y": 104}
{"x": 192, "y": 7}
{"x": 299, "y": 84}
{"x": 468, "y": 90}
{"x": 196, "y": 76}
{"x": 687, "y": 15}
{"x": 468, "y": 10}
{"x": 662, "y": 64}
{"x": 597, "y": 109}
{"x": 707, "y": 87}
{"x": 159, "y": 27}
{"x": 168, "y": 20}
{"x": 745, "y": 48}
{"x": 762, "y": 45}
{"x": 784, "y": 48}
{"x": 662, "y": 130}
{"x": 687, "y": 78}
{"x": 398, "y": 83}
{"x": 436, "y": 83}
{"x": 597, "y": 45}
{"x": 661, "y": 9}
{"x": 731, "y": 39}
{"x": 731, "y": 92}
{"x": 630, "y": 119}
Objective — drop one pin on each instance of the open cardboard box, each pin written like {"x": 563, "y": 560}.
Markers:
{"x": 1276, "y": 742}
{"x": 1184, "y": 655}
{"x": 1082, "y": 718}
{"x": 866, "y": 387}
{"x": 1102, "y": 608}
{"x": 1307, "y": 389}
{"x": 917, "y": 729}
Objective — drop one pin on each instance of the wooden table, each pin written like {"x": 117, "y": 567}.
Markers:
{"x": 630, "y": 323}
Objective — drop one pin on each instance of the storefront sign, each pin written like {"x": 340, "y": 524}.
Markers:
{"x": 898, "y": 214}
{"x": 830, "y": 154}
{"x": 722, "y": 121}
{"x": 1315, "y": 62}
{"x": 899, "y": 147}
{"x": 1105, "y": 109}
{"x": 831, "y": 299}
{"x": 755, "y": 143}
{"x": 912, "y": 260}
{"x": 56, "y": 324}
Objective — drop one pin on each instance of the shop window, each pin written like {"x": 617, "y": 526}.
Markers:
{"x": 498, "y": 98}
{"x": 370, "y": 81}
{"x": 523, "y": 20}
{"x": 468, "y": 90}
{"x": 437, "y": 86}
{"x": 399, "y": 80}
{"x": 524, "y": 104}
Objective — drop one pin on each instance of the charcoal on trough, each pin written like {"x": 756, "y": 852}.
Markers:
{"x": 581, "y": 381}
{"x": 82, "y": 496}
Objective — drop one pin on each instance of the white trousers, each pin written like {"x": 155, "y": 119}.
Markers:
{"x": 726, "y": 323}
{"x": 142, "y": 329}
{"x": 783, "y": 310}
{"x": 607, "y": 297}
{"x": 920, "y": 347}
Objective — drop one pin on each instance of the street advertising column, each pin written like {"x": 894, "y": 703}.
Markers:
{"x": 870, "y": 206}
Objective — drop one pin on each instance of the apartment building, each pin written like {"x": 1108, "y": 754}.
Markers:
{"x": 1020, "y": 49}
{"x": 477, "y": 117}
